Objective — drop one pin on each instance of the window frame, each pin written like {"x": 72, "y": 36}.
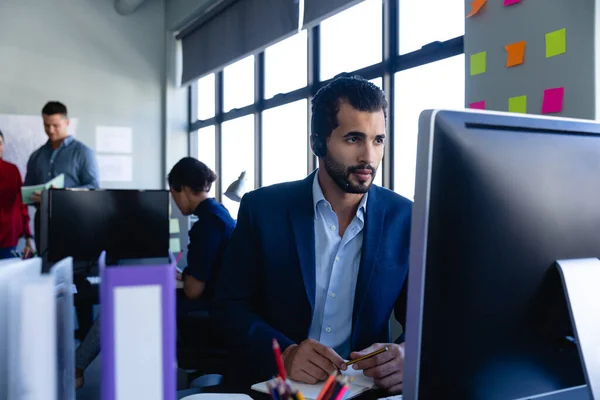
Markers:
{"x": 392, "y": 62}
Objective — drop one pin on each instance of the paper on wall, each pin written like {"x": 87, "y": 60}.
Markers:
{"x": 114, "y": 139}
{"x": 115, "y": 168}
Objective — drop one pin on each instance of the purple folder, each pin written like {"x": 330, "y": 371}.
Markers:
{"x": 138, "y": 331}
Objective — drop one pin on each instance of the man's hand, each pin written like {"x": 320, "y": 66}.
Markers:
{"x": 27, "y": 251}
{"x": 36, "y": 197}
{"x": 311, "y": 362}
{"x": 387, "y": 368}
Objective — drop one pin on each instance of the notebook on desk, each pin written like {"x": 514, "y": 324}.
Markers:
{"x": 360, "y": 384}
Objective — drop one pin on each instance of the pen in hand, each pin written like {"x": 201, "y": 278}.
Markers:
{"x": 373, "y": 354}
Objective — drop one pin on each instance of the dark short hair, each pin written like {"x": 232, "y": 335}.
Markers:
{"x": 192, "y": 173}
{"x": 353, "y": 89}
{"x": 55, "y": 107}
{"x": 1, "y": 135}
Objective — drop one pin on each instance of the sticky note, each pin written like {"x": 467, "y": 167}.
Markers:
{"x": 517, "y": 104}
{"x": 478, "y": 63}
{"x": 175, "y": 245}
{"x": 478, "y": 105}
{"x": 510, "y": 2}
{"x": 476, "y": 6}
{"x": 556, "y": 43}
{"x": 553, "y": 100}
{"x": 174, "y": 225}
{"x": 515, "y": 54}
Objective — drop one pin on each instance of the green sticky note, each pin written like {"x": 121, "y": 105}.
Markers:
{"x": 478, "y": 63}
{"x": 517, "y": 104}
{"x": 174, "y": 225}
{"x": 175, "y": 245}
{"x": 556, "y": 43}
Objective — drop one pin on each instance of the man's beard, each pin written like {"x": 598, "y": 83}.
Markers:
{"x": 340, "y": 174}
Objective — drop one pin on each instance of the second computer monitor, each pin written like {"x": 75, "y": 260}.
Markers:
{"x": 125, "y": 223}
{"x": 499, "y": 198}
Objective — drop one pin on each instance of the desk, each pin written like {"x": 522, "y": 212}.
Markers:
{"x": 223, "y": 388}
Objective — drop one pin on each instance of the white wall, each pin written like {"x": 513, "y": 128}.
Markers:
{"x": 107, "y": 68}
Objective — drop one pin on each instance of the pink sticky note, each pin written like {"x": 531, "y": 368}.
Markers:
{"x": 510, "y": 2}
{"x": 478, "y": 105}
{"x": 553, "y": 100}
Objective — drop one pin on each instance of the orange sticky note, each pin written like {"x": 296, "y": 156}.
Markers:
{"x": 476, "y": 7}
{"x": 516, "y": 54}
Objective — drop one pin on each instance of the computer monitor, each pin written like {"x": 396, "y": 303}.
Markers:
{"x": 499, "y": 198}
{"x": 125, "y": 223}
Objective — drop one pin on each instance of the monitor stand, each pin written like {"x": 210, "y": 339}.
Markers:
{"x": 581, "y": 281}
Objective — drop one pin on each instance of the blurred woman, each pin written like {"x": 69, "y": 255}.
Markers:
{"x": 14, "y": 218}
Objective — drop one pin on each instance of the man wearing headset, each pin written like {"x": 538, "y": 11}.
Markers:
{"x": 320, "y": 264}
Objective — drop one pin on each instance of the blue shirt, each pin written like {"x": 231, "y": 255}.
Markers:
{"x": 209, "y": 238}
{"x": 337, "y": 263}
{"x": 72, "y": 158}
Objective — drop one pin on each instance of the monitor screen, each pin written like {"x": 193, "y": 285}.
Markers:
{"x": 125, "y": 223}
{"x": 499, "y": 199}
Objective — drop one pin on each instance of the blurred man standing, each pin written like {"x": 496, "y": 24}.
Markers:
{"x": 62, "y": 154}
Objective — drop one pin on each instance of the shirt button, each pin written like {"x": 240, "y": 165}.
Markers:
{"x": 337, "y": 259}
{"x": 333, "y": 295}
{"x": 328, "y": 329}
{"x": 333, "y": 227}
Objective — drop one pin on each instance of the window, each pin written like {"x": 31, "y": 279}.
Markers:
{"x": 238, "y": 84}
{"x": 237, "y": 143}
{"x": 437, "y": 85}
{"x": 285, "y": 143}
{"x": 352, "y": 39}
{"x": 206, "y": 97}
{"x": 286, "y": 65}
{"x": 423, "y": 22}
{"x": 377, "y": 82}
{"x": 207, "y": 150}
{"x": 379, "y": 175}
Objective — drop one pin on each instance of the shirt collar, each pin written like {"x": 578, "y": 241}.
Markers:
{"x": 204, "y": 204}
{"x": 68, "y": 140}
{"x": 319, "y": 197}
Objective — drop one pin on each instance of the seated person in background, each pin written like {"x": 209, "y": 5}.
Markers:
{"x": 14, "y": 218}
{"x": 189, "y": 181}
{"x": 320, "y": 264}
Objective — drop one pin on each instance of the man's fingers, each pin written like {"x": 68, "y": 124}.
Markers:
{"x": 395, "y": 389}
{"x": 312, "y": 370}
{"x": 304, "y": 377}
{"x": 323, "y": 364}
{"x": 329, "y": 354}
{"x": 386, "y": 375}
{"x": 318, "y": 371}
{"x": 381, "y": 371}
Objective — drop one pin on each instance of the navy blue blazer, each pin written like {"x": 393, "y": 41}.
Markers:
{"x": 266, "y": 288}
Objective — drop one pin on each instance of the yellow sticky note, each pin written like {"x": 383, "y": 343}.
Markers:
{"x": 175, "y": 245}
{"x": 517, "y": 104}
{"x": 556, "y": 43}
{"x": 478, "y": 63}
{"x": 174, "y": 225}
